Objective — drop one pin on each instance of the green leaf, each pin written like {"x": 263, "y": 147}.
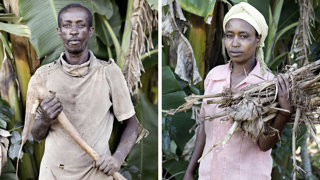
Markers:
{"x": 6, "y": 110}
{"x": 200, "y": 8}
{"x": 178, "y": 127}
{"x": 3, "y": 124}
{"x": 4, "y": 118}
{"x": 41, "y": 17}
{"x": 173, "y": 100}
{"x": 14, "y": 151}
{"x": 103, "y": 7}
{"x": 169, "y": 82}
{"x": 15, "y": 138}
{"x": 153, "y": 4}
{"x": 16, "y": 29}
{"x": 10, "y": 17}
{"x": 144, "y": 155}
{"x": 175, "y": 168}
{"x": 8, "y": 168}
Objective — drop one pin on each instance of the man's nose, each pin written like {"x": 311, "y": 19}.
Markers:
{"x": 74, "y": 30}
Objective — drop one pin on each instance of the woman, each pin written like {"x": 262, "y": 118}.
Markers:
{"x": 241, "y": 158}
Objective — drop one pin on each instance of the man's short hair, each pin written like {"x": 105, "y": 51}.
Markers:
{"x": 75, "y": 5}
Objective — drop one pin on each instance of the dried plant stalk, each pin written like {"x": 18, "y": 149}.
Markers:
{"x": 254, "y": 107}
{"x": 142, "y": 21}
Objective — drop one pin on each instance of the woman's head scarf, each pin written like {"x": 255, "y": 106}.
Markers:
{"x": 251, "y": 15}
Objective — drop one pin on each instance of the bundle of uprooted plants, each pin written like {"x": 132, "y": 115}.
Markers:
{"x": 253, "y": 108}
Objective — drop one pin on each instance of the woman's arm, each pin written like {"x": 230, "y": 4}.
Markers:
{"x": 197, "y": 152}
{"x": 267, "y": 142}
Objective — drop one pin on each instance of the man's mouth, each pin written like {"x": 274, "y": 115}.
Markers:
{"x": 74, "y": 42}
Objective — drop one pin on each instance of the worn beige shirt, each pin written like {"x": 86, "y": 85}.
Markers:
{"x": 91, "y": 95}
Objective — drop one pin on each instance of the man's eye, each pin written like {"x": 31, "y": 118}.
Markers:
{"x": 243, "y": 36}
{"x": 67, "y": 25}
{"x": 81, "y": 25}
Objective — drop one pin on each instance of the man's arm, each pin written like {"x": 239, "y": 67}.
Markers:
{"x": 267, "y": 142}
{"x": 50, "y": 107}
{"x": 112, "y": 164}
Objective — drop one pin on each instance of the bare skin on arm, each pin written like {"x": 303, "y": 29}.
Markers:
{"x": 197, "y": 152}
{"x": 112, "y": 164}
{"x": 50, "y": 107}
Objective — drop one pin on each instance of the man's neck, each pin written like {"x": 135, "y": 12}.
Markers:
{"x": 76, "y": 59}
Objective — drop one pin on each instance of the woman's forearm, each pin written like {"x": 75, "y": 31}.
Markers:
{"x": 198, "y": 149}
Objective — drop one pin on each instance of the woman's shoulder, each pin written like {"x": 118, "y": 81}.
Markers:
{"x": 218, "y": 72}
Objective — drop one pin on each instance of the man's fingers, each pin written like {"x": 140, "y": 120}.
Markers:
{"x": 56, "y": 112}
{"x": 48, "y": 98}
{"x": 108, "y": 169}
{"x": 104, "y": 165}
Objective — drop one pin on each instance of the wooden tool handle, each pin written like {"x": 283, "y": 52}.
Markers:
{"x": 66, "y": 124}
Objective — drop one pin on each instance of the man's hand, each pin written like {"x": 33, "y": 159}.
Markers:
{"x": 50, "y": 107}
{"x": 108, "y": 164}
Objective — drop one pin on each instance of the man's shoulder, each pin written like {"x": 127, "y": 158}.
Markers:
{"x": 47, "y": 68}
{"x": 108, "y": 65}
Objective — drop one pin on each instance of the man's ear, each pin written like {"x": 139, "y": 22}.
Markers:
{"x": 59, "y": 31}
{"x": 91, "y": 31}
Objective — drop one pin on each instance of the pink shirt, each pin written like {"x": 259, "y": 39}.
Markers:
{"x": 240, "y": 158}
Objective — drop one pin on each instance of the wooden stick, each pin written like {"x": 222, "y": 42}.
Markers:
{"x": 71, "y": 130}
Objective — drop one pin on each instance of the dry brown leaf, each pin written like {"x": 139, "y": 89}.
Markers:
{"x": 303, "y": 36}
{"x": 174, "y": 22}
{"x": 4, "y": 145}
{"x": 142, "y": 21}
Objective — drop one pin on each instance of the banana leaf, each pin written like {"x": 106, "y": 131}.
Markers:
{"x": 41, "y": 17}
{"x": 200, "y": 8}
{"x": 144, "y": 155}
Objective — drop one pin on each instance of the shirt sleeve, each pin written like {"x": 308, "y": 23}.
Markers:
{"x": 119, "y": 93}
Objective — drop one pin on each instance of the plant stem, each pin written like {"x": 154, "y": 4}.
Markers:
{"x": 113, "y": 36}
{"x": 126, "y": 35}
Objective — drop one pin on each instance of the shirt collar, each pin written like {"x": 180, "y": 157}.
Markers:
{"x": 76, "y": 70}
{"x": 253, "y": 77}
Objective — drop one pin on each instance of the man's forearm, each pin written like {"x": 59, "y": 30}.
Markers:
{"x": 128, "y": 139}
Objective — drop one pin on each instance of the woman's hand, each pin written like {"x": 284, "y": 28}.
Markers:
{"x": 188, "y": 176}
{"x": 283, "y": 95}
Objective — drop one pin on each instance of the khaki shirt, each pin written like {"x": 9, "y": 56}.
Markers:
{"x": 91, "y": 95}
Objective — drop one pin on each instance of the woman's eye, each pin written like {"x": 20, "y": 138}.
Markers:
{"x": 243, "y": 36}
{"x": 228, "y": 36}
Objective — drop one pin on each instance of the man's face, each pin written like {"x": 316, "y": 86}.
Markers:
{"x": 74, "y": 30}
{"x": 240, "y": 40}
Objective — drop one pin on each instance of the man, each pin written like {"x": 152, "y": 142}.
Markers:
{"x": 90, "y": 92}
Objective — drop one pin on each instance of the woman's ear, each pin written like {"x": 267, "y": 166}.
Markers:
{"x": 258, "y": 39}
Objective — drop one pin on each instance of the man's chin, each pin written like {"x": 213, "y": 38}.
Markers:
{"x": 74, "y": 51}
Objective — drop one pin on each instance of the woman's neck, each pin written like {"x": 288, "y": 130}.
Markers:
{"x": 243, "y": 68}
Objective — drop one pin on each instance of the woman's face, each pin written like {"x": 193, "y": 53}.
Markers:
{"x": 240, "y": 40}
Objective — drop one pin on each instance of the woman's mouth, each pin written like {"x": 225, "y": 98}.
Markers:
{"x": 235, "y": 53}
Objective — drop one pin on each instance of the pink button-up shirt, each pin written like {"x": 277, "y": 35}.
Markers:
{"x": 240, "y": 158}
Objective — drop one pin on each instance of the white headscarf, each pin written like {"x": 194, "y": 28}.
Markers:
{"x": 251, "y": 15}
